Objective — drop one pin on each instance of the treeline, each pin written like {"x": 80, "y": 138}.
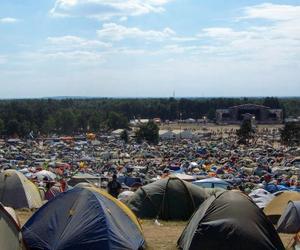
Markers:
{"x": 69, "y": 116}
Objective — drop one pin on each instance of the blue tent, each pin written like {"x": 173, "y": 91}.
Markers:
{"x": 272, "y": 188}
{"x": 212, "y": 183}
{"x": 83, "y": 218}
{"x": 129, "y": 181}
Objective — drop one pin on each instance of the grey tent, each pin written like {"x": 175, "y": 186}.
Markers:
{"x": 17, "y": 191}
{"x": 289, "y": 221}
{"x": 167, "y": 199}
{"x": 229, "y": 220}
{"x": 10, "y": 236}
{"x": 84, "y": 177}
{"x": 278, "y": 204}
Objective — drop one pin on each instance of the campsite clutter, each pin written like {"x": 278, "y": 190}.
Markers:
{"x": 63, "y": 180}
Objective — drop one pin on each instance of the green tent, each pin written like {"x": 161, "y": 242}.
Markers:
{"x": 167, "y": 199}
{"x": 229, "y": 220}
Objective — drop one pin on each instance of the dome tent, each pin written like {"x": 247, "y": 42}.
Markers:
{"x": 17, "y": 191}
{"x": 229, "y": 220}
{"x": 278, "y": 204}
{"x": 83, "y": 218}
{"x": 289, "y": 221}
{"x": 167, "y": 199}
{"x": 10, "y": 236}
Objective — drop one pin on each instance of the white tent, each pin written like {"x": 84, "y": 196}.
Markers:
{"x": 184, "y": 134}
{"x": 45, "y": 173}
{"x": 166, "y": 135}
{"x": 124, "y": 196}
{"x": 10, "y": 235}
{"x": 261, "y": 197}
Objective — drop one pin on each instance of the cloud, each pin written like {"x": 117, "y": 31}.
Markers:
{"x": 106, "y": 9}
{"x": 76, "y": 57}
{"x": 273, "y": 42}
{"x": 65, "y": 59}
{"x": 115, "y": 32}
{"x": 3, "y": 59}
{"x": 75, "y": 42}
{"x": 71, "y": 50}
{"x": 8, "y": 20}
{"x": 275, "y": 12}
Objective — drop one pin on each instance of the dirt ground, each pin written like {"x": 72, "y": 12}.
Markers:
{"x": 162, "y": 237}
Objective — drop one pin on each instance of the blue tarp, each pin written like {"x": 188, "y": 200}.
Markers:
{"x": 175, "y": 168}
{"x": 129, "y": 181}
{"x": 202, "y": 151}
{"x": 212, "y": 183}
{"x": 272, "y": 188}
{"x": 81, "y": 219}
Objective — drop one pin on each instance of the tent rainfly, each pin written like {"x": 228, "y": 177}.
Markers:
{"x": 10, "y": 235}
{"x": 168, "y": 199}
{"x": 289, "y": 222}
{"x": 83, "y": 218}
{"x": 278, "y": 205}
{"x": 17, "y": 191}
{"x": 229, "y": 220}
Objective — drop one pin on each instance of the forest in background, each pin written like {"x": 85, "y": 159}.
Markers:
{"x": 79, "y": 115}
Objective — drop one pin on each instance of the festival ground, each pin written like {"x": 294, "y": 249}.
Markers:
{"x": 163, "y": 237}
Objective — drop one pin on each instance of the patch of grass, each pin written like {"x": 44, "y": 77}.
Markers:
{"x": 162, "y": 237}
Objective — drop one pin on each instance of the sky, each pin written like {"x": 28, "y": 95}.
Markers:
{"x": 149, "y": 48}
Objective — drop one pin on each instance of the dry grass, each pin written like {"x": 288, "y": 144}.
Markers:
{"x": 287, "y": 240}
{"x": 162, "y": 237}
{"x": 24, "y": 214}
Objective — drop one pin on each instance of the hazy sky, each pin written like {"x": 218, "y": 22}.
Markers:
{"x": 149, "y": 48}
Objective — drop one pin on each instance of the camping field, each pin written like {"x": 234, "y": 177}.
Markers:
{"x": 163, "y": 237}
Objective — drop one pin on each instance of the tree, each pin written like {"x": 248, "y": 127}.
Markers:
{"x": 290, "y": 134}
{"x": 25, "y": 128}
{"x": 211, "y": 114}
{"x": 272, "y": 102}
{"x": 245, "y": 132}
{"x": 124, "y": 136}
{"x": 67, "y": 122}
{"x": 116, "y": 120}
{"x": 148, "y": 132}
{"x": 49, "y": 125}
{"x": 13, "y": 127}
{"x": 95, "y": 121}
{"x": 1, "y": 126}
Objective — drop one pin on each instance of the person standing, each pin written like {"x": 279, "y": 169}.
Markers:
{"x": 114, "y": 187}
